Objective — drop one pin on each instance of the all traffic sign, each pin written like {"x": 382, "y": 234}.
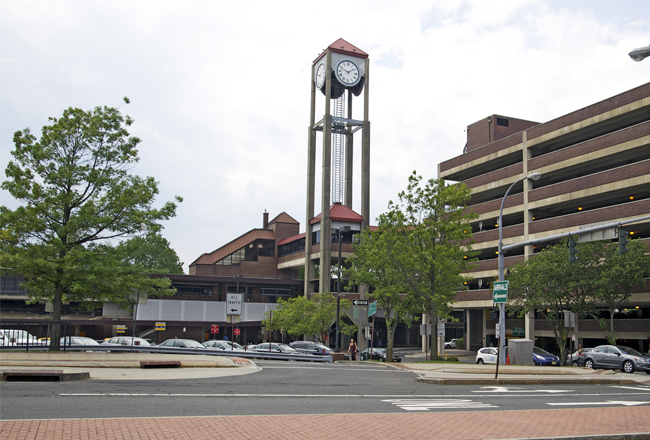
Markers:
{"x": 500, "y": 292}
{"x": 360, "y": 302}
{"x": 237, "y": 332}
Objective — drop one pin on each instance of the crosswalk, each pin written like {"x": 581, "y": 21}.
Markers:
{"x": 429, "y": 404}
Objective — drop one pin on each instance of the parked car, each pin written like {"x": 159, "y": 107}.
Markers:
{"x": 615, "y": 357}
{"x": 182, "y": 343}
{"x": 380, "y": 354}
{"x": 542, "y": 357}
{"x": 215, "y": 344}
{"x": 125, "y": 340}
{"x": 572, "y": 359}
{"x": 311, "y": 347}
{"x": 450, "y": 344}
{"x": 274, "y": 348}
{"x": 486, "y": 355}
{"x": 16, "y": 338}
{"x": 77, "y": 340}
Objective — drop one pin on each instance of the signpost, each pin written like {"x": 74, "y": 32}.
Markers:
{"x": 233, "y": 304}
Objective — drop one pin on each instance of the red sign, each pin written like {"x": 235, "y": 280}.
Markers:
{"x": 214, "y": 329}
{"x": 237, "y": 332}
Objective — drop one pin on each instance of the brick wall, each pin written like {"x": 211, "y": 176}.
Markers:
{"x": 496, "y": 175}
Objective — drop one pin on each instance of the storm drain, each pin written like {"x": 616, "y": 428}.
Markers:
{"x": 160, "y": 364}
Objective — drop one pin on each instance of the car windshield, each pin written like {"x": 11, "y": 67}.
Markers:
{"x": 538, "y": 350}
{"x": 630, "y": 351}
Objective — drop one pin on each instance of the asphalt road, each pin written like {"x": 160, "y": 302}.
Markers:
{"x": 295, "y": 388}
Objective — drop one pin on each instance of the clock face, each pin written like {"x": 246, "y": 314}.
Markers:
{"x": 347, "y": 73}
{"x": 320, "y": 76}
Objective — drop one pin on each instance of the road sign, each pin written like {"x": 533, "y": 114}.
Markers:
{"x": 161, "y": 326}
{"x": 500, "y": 292}
{"x": 121, "y": 329}
{"x": 441, "y": 330}
{"x": 425, "y": 329}
{"x": 233, "y": 304}
{"x": 372, "y": 308}
{"x": 214, "y": 329}
{"x": 359, "y": 302}
{"x": 237, "y": 332}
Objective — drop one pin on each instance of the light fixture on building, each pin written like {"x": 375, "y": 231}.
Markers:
{"x": 640, "y": 53}
{"x": 579, "y": 208}
{"x": 631, "y": 197}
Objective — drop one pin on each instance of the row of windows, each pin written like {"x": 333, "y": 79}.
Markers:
{"x": 346, "y": 237}
{"x": 261, "y": 248}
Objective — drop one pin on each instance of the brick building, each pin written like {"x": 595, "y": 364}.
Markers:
{"x": 595, "y": 169}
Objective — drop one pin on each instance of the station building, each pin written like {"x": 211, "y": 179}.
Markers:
{"x": 595, "y": 169}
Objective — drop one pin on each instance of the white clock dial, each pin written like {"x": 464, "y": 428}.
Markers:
{"x": 347, "y": 73}
{"x": 320, "y": 76}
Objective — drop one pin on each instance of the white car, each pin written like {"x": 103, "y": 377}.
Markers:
{"x": 487, "y": 355}
{"x": 450, "y": 344}
{"x": 125, "y": 340}
{"x": 16, "y": 338}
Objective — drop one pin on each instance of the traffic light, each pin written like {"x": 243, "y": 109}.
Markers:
{"x": 622, "y": 241}
{"x": 573, "y": 251}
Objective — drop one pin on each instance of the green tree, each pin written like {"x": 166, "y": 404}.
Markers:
{"x": 301, "y": 316}
{"x": 373, "y": 264}
{"x": 153, "y": 252}
{"x": 78, "y": 196}
{"x": 543, "y": 283}
{"x": 603, "y": 277}
{"x": 429, "y": 236}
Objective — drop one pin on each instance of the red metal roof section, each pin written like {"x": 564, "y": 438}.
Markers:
{"x": 342, "y": 46}
{"x": 283, "y": 217}
{"x": 290, "y": 239}
{"x": 340, "y": 213}
{"x": 236, "y": 244}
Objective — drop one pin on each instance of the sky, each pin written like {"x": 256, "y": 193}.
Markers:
{"x": 220, "y": 91}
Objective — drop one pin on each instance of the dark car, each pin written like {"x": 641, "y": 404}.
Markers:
{"x": 542, "y": 357}
{"x": 311, "y": 348}
{"x": 379, "y": 354}
{"x": 182, "y": 343}
{"x": 615, "y": 357}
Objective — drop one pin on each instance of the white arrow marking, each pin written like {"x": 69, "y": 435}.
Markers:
{"x": 610, "y": 402}
{"x": 519, "y": 390}
{"x": 632, "y": 388}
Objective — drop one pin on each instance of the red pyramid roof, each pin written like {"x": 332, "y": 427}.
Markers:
{"x": 342, "y": 46}
{"x": 340, "y": 213}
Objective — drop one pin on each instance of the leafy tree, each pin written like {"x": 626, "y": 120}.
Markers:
{"x": 373, "y": 264}
{"x": 301, "y": 316}
{"x": 153, "y": 252}
{"x": 77, "y": 196}
{"x": 427, "y": 244}
{"x": 542, "y": 283}
{"x": 601, "y": 276}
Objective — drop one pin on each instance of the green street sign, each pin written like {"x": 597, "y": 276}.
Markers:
{"x": 500, "y": 292}
{"x": 372, "y": 308}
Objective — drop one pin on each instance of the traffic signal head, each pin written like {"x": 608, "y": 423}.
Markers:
{"x": 622, "y": 241}
{"x": 573, "y": 251}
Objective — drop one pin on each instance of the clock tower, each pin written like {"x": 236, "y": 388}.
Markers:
{"x": 340, "y": 73}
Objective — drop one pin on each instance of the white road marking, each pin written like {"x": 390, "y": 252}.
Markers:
{"x": 631, "y": 388}
{"x": 427, "y": 404}
{"x": 610, "y": 402}
{"x": 519, "y": 390}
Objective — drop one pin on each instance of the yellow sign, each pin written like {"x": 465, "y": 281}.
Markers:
{"x": 161, "y": 326}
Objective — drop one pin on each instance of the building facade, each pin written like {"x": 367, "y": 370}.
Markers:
{"x": 595, "y": 169}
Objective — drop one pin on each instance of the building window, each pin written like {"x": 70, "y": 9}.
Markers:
{"x": 292, "y": 248}
{"x": 315, "y": 237}
{"x": 503, "y": 122}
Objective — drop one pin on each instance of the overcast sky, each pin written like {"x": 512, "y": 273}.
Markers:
{"x": 220, "y": 90}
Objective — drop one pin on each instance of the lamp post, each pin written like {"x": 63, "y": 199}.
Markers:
{"x": 502, "y": 306}
{"x": 640, "y": 53}
{"x": 338, "y": 290}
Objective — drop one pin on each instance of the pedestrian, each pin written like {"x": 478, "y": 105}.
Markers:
{"x": 380, "y": 343}
{"x": 580, "y": 349}
{"x": 225, "y": 337}
{"x": 352, "y": 350}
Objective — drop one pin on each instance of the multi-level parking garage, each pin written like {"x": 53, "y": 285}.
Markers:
{"x": 595, "y": 169}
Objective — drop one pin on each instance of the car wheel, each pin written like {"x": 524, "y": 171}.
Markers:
{"x": 575, "y": 363}
{"x": 647, "y": 371}
{"x": 589, "y": 364}
{"x": 628, "y": 367}
{"x": 480, "y": 361}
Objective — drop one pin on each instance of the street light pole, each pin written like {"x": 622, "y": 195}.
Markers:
{"x": 502, "y": 306}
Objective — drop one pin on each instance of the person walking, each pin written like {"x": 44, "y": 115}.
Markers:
{"x": 352, "y": 350}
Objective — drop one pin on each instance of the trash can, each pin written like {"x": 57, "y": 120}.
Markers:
{"x": 364, "y": 356}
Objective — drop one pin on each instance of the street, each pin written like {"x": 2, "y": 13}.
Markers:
{"x": 292, "y": 388}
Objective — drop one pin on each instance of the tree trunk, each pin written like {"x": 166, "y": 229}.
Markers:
{"x": 390, "y": 329}
{"x": 434, "y": 334}
{"x": 55, "y": 327}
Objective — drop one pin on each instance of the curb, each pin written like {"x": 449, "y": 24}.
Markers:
{"x": 529, "y": 381}
{"x": 42, "y": 376}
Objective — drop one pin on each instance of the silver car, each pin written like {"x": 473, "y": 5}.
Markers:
{"x": 615, "y": 357}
